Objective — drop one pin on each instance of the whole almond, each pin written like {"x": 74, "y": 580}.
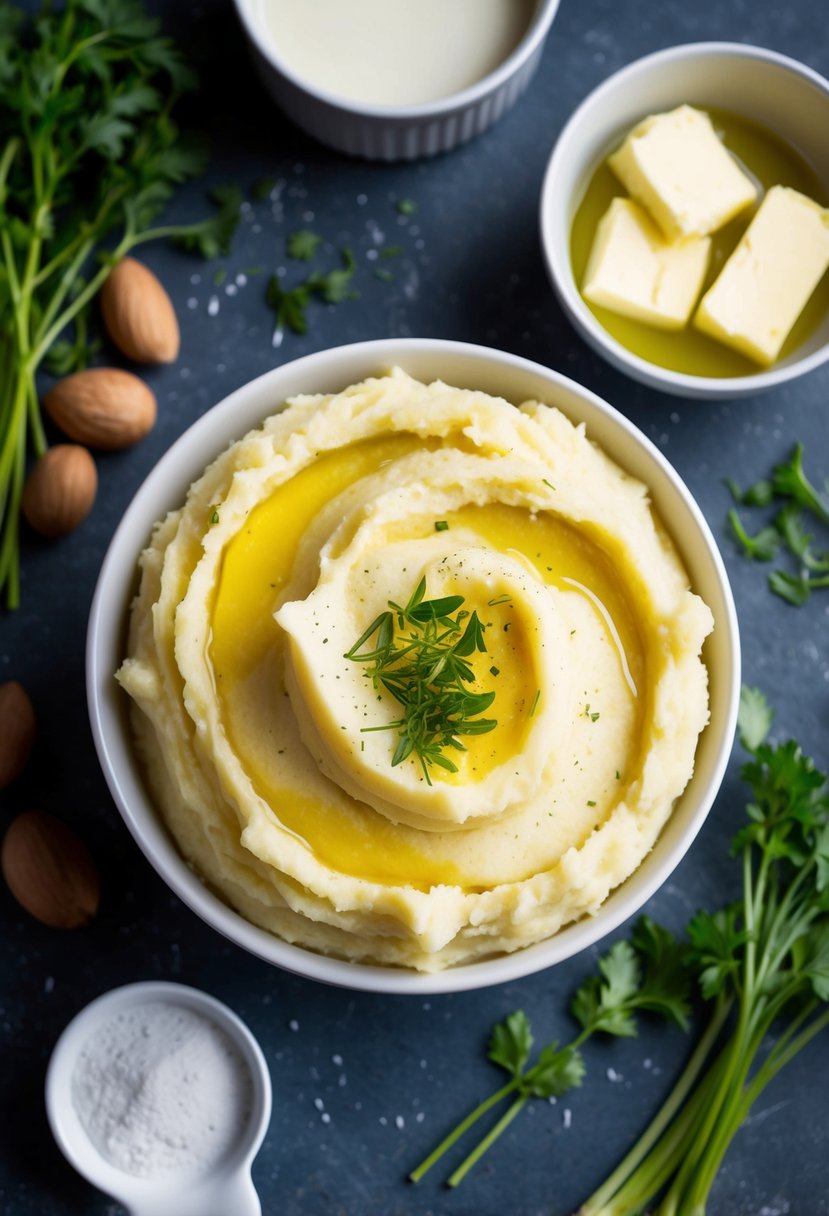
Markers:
{"x": 17, "y": 731}
{"x": 139, "y": 315}
{"x": 103, "y": 407}
{"x": 60, "y": 490}
{"x": 50, "y": 871}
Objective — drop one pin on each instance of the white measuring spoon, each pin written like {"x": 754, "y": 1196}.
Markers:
{"x": 227, "y": 1187}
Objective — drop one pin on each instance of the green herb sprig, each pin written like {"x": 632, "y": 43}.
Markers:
{"x": 787, "y": 531}
{"x": 290, "y": 304}
{"x": 762, "y": 963}
{"x": 649, "y": 973}
{"x": 89, "y": 154}
{"x": 419, "y": 653}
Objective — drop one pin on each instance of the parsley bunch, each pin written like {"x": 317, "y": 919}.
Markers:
{"x": 800, "y": 500}
{"x": 649, "y": 973}
{"x": 423, "y": 663}
{"x": 89, "y": 154}
{"x": 762, "y": 963}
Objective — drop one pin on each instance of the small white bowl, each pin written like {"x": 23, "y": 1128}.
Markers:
{"x": 328, "y": 371}
{"x": 227, "y": 1186}
{"x": 396, "y": 132}
{"x": 778, "y": 93}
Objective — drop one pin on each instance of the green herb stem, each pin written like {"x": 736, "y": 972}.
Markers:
{"x": 471, "y": 1119}
{"x": 503, "y": 1123}
{"x": 597, "y": 1204}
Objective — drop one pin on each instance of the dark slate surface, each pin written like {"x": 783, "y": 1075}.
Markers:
{"x": 394, "y": 1073}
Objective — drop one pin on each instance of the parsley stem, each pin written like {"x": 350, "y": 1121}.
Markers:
{"x": 488, "y": 1140}
{"x": 6, "y": 160}
{"x": 81, "y": 300}
{"x": 463, "y": 1127}
{"x": 598, "y": 1201}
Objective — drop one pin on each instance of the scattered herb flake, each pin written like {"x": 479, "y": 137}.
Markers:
{"x": 303, "y": 245}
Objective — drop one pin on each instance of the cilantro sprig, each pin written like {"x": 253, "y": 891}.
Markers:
{"x": 89, "y": 154}
{"x": 787, "y": 531}
{"x": 762, "y": 965}
{"x": 647, "y": 974}
{"x": 419, "y": 652}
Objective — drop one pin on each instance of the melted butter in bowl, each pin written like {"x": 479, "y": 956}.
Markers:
{"x": 394, "y": 52}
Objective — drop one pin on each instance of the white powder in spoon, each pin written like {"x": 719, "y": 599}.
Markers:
{"x": 161, "y": 1089}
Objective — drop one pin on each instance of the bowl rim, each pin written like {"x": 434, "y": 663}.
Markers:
{"x": 563, "y": 280}
{"x": 104, "y": 647}
{"x": 535, "y": 35}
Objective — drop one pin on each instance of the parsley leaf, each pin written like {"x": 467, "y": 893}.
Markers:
{"x": 754, "y": 718}
{"x": 303, "y": 245}
{"x": 760, "y": 548}
{"x": 511, "y": 1043}
{"x": 790, "y": 481}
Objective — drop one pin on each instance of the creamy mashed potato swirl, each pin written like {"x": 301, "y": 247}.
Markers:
{"x": 268, "y": 750}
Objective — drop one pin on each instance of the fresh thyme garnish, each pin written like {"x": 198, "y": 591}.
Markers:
{"x": 441, "y": 525}
{"x": 499, "y": 599}
{"x": 419, "y": 654}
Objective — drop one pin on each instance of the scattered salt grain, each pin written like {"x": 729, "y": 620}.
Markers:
{"x": 212, "y": 306}
{"x": 613, "y": 1075}
{"x": 566, "y": 1119}
{"x": 399, "y": 1122}
{"x": 293, "y": 1024}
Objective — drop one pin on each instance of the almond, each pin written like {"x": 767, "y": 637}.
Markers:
{"x": 17, "y": 731}
{"x": 50, "y": 871}
{"x": 103, "y": 407}
{"x": 60, "y": 490}
{"x": 139, "y": 315}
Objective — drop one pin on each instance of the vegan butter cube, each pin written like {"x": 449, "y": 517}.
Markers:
{"x": 763, "y": 287}
{"x": 676, "y": 166}
{"x": 633, "y": 270}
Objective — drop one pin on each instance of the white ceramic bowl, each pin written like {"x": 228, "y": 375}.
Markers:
{"x": 778, "y": 93}
{"x": 328, "y": 371}
{"x": 396, "y": 132}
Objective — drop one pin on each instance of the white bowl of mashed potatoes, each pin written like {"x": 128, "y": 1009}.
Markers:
{"x": 413, "y": 667}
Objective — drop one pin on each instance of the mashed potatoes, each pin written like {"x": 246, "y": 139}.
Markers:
{"x": 269, "y": 751}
